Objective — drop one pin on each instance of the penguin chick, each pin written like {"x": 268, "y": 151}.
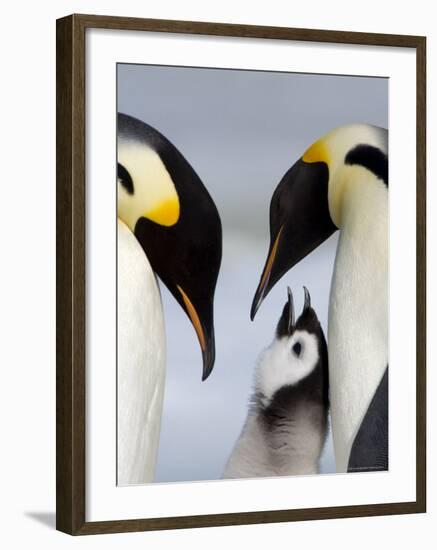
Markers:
{"x": 287, "y": 421}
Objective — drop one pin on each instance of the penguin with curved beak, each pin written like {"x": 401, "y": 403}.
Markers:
{"x": 168, "y": 227}
{"x": 341, "y": 183}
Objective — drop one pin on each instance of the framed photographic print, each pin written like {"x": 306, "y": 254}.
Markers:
{"x": 240, "y": 257}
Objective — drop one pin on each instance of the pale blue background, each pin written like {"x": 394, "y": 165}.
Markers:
{"x": 241, "y": 131}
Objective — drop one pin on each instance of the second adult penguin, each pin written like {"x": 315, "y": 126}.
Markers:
{"x": 287, "y": 421}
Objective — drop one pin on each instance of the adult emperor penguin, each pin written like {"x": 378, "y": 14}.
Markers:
{"x": 169, "y": 226}
{"x": 341, "y": 182}
{"x": 287, "y": 421}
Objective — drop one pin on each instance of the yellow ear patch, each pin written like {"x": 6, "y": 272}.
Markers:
{"x": 166, "y": 213}
{"x": 318, "y": 152}
{"x": 155, "y": 197}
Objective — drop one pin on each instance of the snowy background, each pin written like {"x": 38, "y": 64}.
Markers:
{"x": 241, "y": 131}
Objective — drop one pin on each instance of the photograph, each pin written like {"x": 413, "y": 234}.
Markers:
{"x": 217, "y": 316}
{"x": 252, "y": 274}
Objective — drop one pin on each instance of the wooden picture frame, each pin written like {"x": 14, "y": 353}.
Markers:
{"x": 71, "y": 254}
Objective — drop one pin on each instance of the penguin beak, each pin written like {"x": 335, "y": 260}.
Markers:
{"x": 205, "y": 334}
{"x": 208, "y": 356}
{"x": 266, "y": 283}
{"x": 299, "y": 222}
{"x": 291, "y": 317}
{"x": 187, "y": 261}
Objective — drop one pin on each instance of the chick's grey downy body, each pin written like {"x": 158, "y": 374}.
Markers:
{"x": 287, "y": 421}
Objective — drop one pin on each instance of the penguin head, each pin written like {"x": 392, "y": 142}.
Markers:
{"x": 307, "y": 206}
{"x": 164, "y": 203}
{"x": 298, "y": 352}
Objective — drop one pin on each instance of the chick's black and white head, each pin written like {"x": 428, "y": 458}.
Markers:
{"x": 297, "y": 355}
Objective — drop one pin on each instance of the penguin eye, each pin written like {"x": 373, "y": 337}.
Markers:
{"x": 297, "y": 349}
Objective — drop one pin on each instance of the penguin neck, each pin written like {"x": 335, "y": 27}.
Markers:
{"x": 362, "y": 253}
{"x": 358, "y": 312}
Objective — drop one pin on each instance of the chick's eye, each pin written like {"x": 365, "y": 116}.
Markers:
{"x": 297, "y": 349}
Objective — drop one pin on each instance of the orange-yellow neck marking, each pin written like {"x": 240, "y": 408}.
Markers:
{"x": 318, "y": 152}
{"x": 166, "y": 213}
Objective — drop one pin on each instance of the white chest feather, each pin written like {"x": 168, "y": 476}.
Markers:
{"x": 358, "y": 312}
{"x": 141, "y": 362}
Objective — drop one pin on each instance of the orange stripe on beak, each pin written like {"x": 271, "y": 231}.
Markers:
{"x": 194, "y": 318}
{"x": 271, "y": 259}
